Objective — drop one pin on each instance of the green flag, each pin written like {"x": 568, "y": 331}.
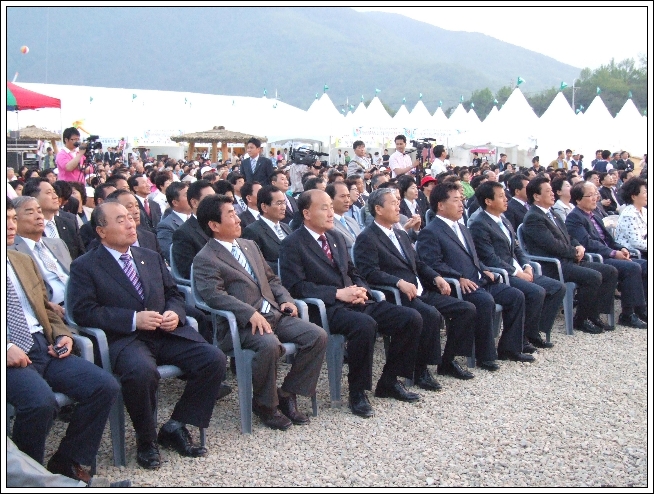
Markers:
{"x": 520, "y": 80}
{"x": 629, "y": 96}
{"x": 91, "y": 98}
{"x": 461, "y": 98}
{"x": 351, "y": 107}
{"x": 342, "y": 110}
{"x": 472, "y": 105}
{"x": 133, "y": 97}
{"x": 563, "y": 86}
{"x": 440, "y": 103}
{"x": 495, "y": 101}
{"x": 377, "y": 91}
{"x": 403, "y": 100}
{"x": 581, "y": 107}
{"x": 598, "y": 90}
{"x": 362, "y": 97}
{"x": 316, "y": 95}
{"x": 325, "y": 88}
{"x": 420, "y": 96}
{"x": 186, "y": 101}
{"x": 264, "y": 91}
{"x": 577, "y": 111}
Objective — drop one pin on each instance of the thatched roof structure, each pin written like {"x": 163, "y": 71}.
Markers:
{"x": 32, "y": 132}
{"x": 217, "y": 134}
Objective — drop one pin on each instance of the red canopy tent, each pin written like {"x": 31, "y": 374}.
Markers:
{"x": 23, "y": 99}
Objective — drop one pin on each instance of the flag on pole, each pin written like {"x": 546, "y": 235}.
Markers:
{"x": 440, "y": 103}
{"x": 472, "y": 105}
{"x": 495, "y": 101}
{"x": 362, "y": 97}
{"x": 351, "y": 107}
{"x": 577, "y": 111}
{"x": 264, "y": 91}
{"x": 91, "y": 98}
{"x": 598, "y": 90}
{"x": 629, "y": 96}
{"x": 325, "y": 88}
{"x": 377, "y": 91}
{"x": 520, "y": 80}
{"x": 461, "y": 98}
{"x": 316, "y": 95}
{"x": 133, "y": 97}
{"x": 342, "y": 110}
{"x": 420, "y": 96}
{"x": 403, "y": 100}
{"x": 563, "y": 86}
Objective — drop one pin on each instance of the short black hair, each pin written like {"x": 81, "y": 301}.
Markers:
{"x": 70, "y": 132}
{"x": 312, "y": 183}
{"x": 331, "y": 188}
{"x": 81, "y": 189}
{"x": 113, "y": 197}
{"x": 277, "y": 172}
{"x": 246, "y": 190}
{"x": 477, "y": 180}
{"x": 114, "y": 178}
{"x": 487, "y": 191}
{"x": 33, "y": 185}
{"x": 590, "y": 173}
{"x": 10, "y": 204}
{"x": 222, "y": 187}
{"x": 606, "y": 154}
{"x": 46, "y": 172}
{"x": 264, "y": 196}
{"x": 441, "y": 193}
{"x": 400, "y": 137}
{"x": 577, "y": 192}
{"x": 234, "y": 177}
{"x": 161, "y": 178}
{"x": 100, "y": 192}
{"x": 356, "y": 144}
{"x": 173, "y": 191}
{"x": 632, "y": 188}
{"x": 404, "y": 182}
{"x": 195, "y": 190}
{"x": 515, "y": 183}
{"x": 255, "y": 141}
{"x": 438, "y": 150}
{"x": 210, "y": 209}
{"x": 557, "y": 185}
{"x": 133, "y": 182}
{"x": 533, "y": 187}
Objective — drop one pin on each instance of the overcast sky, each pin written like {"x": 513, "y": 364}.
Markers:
{"x": 579, "y": 36}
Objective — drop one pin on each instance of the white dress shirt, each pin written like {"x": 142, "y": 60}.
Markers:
{"x": 56, "y": 281}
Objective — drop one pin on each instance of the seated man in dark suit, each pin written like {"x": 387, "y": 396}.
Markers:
{"x": 128, "y": 293}
{"x": 232, "y": 275}
{"x": 180, "y": 211}
{"x": 251, "y": 214}
{"x": 384, "y": 255}
{"x": 189, "y": 238}
{"x": 544, "y": 234}
{"x": 256, "y": 168}
{"x": 608, "y": 181}
{"x": 497, "y": 246}
{"x": 588, "y": 229}
{"x": 447, "y": 247}
{"x": 269, "y": 230}
{"x": 345, "y": 225}
{"x": 280, "y": 180}
{"x": 86, "y": 232}
{"x": 138, "y": 185}
{"x": 314, "y": 262}
{"x": 518, "y": 205}
{"x": 39, "y": 361}
{"x": 58, "y": 224}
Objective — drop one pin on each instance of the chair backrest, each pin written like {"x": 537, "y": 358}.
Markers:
{"x": 174, "y": 273}
{"x": 429, "y": 215}
{"x": 521, "y": 240}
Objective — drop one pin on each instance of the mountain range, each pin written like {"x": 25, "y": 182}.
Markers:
{"x": 289, "y": 51}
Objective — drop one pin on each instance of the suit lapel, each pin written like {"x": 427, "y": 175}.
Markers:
{"x": 230, "y": 260}
{"x": 450, "y": 233}
{"x": 407, "y": 248}
{"x": 22, "y": 271}
{"x": 115, "y": 270}
{"x": 315, "y": 248}
{"x": 195, "y": 227}
{"x": 144, "y": 270}
{"x": 495, "y": 226}
{"x": 269, "y": 231}
{"x": 55, "y": 248}
{"x": 383, "y": 238}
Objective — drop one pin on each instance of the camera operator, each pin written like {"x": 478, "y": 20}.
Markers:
{"x": 360, "y": 164}
{"x": 439, "y": 166}
{"x": 400, "y": 163}
{"x": 70, "y": 160}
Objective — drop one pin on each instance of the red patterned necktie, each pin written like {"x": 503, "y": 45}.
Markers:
{"x": 325, "y": 247}
{"x": 146, "y": 206}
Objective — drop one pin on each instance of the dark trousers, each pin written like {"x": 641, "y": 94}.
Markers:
{"x": 543, "y": 299}
{"x": 31, "y": 391}
{"x": 311, "y": 342}
{"x": 513, "y": 316}
{"x": 202, "y": 364}
{"x": 596, "y": 284}
{"x": 359, "y": 324}
{"x": 632, "y": 282}
{"x": 461, "y": 328}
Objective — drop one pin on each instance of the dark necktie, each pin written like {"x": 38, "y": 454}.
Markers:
{"x": 19, "y": 331}
{"x": 325, "y": 247}
{"x": 132, "y": 274}
{"x": 146, "y": 207}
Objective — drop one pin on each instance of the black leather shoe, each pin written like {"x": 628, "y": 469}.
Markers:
{"x": 588, "y": 327}
{"x": 490, "y": 365}
{"x": 540, "y": 342}
{"x": 271, "y": 418}
{"x": 395, "y": 390}
{"x": 455, "y": 370}
{"x": 642, "y": 314}
{"x": 631, "y": 320}
{"x": 64, "y": 466}
{"x": 516, "y": 357}
{"x": 601, "y": 324}
{"x": 528, "y": 347}
{"x": 223, "y": 391}
{"x": 360, "y": 405}
{"x": 426, "y": 381}
{"x": 147, "y": 456}
{"x": 181, "y": 441}
{"x": 288, "y": 406}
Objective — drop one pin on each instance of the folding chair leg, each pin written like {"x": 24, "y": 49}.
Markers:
{"x": 568, "y": 307}
{"x": 117, "y": 426}
{"x": 335, "y": 368}
{"x": 471, "y": 359}
{"x": 244, "y": 382}
{"x": 314, "y": 404}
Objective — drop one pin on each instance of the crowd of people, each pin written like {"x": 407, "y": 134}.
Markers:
{"x": 94, "y": 243}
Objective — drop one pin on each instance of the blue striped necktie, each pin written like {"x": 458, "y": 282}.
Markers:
{"x": 132, "y": 274}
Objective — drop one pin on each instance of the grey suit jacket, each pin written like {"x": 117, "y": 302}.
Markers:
{"x": 58, "y": 249}
{"x": 349, "y": 238}
{"x": 165, "y": 230}
{"x": 224, "y": 284}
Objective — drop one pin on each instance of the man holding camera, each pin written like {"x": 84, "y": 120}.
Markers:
{"x": 400, "y": 162}
{"x": 70, "y": 160}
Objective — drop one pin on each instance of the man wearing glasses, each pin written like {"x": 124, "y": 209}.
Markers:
{"x": 70, "y": 160}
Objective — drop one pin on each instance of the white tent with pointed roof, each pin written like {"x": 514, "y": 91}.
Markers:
{"x": 376, "y": 115}
{"x": 402, "y": 117}
{"x": 631, "y": 129}
{"x": 597, "y": 130}
{"x": 473, "y": 119}
{"x": 459, "y": 119}
{"x": 559, "y": 129}
{"x": 420, "y": 118}
{"x": 441, "y": 125}
{"x": 323, "y": 117}
{"x": 491, "y": 117}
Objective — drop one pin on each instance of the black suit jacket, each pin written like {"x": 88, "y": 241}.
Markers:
{"x": 68, "y": 230}
{"x": 145, "y": 238}
{"x": 247, "y": 218}
{"x": 101, "y": 295}
{"x": 306, "y": 271}
{"x": 290, "y": 212}
{"x": 605, "y": 193}
{"x": 404, "y": 209}
{"x": 581, "y": 228}
{"x": 262, "y": 173}
{"x": 544, "y": 238}
{"x": 515, "y": 213}
{"x": 153, "y": 220}
{"x": 87, "y": 234}
{"x": 493, "y": 247}
{"x": 266, "y": 239}
{"x": 440, "y": 248}
{"x": 380, "y": 263}
{"x": 188, "y": 240}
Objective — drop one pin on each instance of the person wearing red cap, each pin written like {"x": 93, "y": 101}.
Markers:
{"x": 426, "y": 185}
{"x": 399, "y": 162}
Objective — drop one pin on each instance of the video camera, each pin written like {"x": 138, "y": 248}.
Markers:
{"x": 424, "y": 143}
{"x": 306, "y": 156}
{"x": 88, "y": 146}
